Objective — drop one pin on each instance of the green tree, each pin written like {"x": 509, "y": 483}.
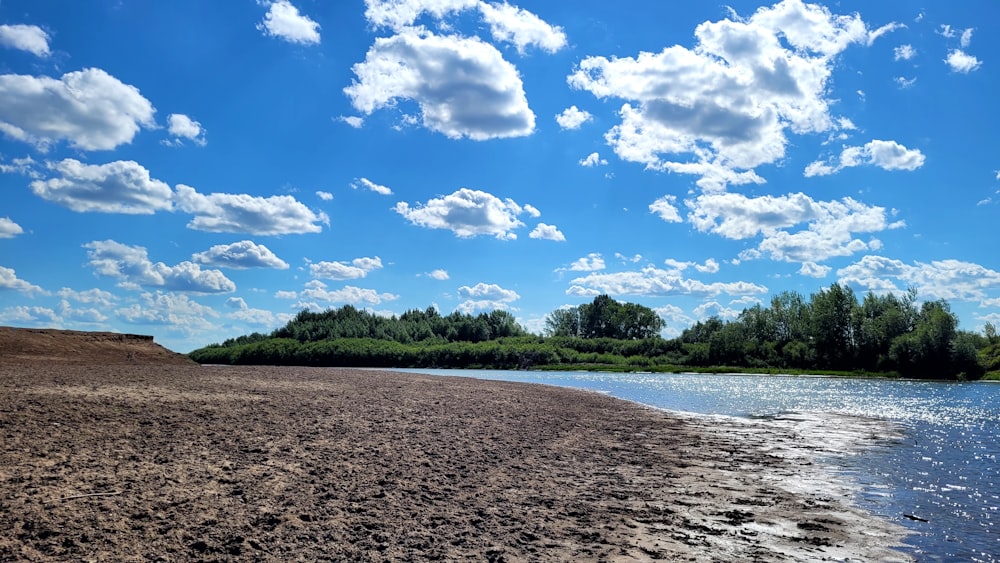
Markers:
{"x": 833, "y": 327}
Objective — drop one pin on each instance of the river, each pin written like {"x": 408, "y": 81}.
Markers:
{"x": 941, "y": 480}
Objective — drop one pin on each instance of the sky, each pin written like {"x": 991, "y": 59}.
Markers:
{"x": 201, "y": 170}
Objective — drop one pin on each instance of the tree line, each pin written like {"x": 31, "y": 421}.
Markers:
{"x": 829, "y": 331}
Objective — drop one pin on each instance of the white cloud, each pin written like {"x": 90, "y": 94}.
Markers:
{"x": 592, "y": 262}
{"x": 175, "y": 310}
{"x": 521, "y": 27}
{"x": 724, "y": 107}
{"x": 904, "y": 52}
{"x": 966, "y": 38}
{"x": 9, "y": 229}
{"x": 399, "y": 14}
{"x": 814, "y": 270}
{"x": 122, "y": 186}
{"x": 664, "y": 207}
{"x": 30, "y": 38}
{"x": 284, "y": 21}
{"x": 627, "y": 259}
{"x": 259, "y": 317}
{"x": 90, "y": 109}
{"x": 463, "y": 86}
{"x": 711, "y": 266}
{"x": 715, "y": 309}
{"x": 938, "y": 279}
{"x": 491, "y": 291}
{"x": 242, "y": 213}
{"x": 962, "y": 62}
{"x": 317, "y": 290}
{"x": 652, "y": 281}
{"x": 439, "y": 275}
{"x": 325, "y": 196}
{"x": 830, "y": 225}
{"x": 24, "y": 166}
{"x": 131, "y": 265}
{"x": 904, "y": 82}
{"x": 547, "y": 232}
{"x": 593, "y": 159}
{"x": 352, "y": 120}
{"x": 9, "y": 280}
{"x": 887, "y": 155}
{"x": 371, "y": 186}
{"x": 573, "y": 117}
{"x": 99, "y": 297}
{"x": 483, "y": 297}
{"x": 182, "y": 126}
{"x": 24, "y": 315}
{"x": 240, "y": 256}
{"x": 467, "y": 213}
{"x": 357, "y": 268}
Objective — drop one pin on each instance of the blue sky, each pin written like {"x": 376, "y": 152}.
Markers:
{"x": 201, "y": 170}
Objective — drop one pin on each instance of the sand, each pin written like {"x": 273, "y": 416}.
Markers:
{"x": 179, "y": 463}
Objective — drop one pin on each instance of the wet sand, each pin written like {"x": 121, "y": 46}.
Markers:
{"x": 180, "y": 463}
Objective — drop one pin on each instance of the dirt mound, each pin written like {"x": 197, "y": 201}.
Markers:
{"x": 30, "y": 345}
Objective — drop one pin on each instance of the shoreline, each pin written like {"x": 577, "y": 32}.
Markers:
{"x": 270, "y": 463}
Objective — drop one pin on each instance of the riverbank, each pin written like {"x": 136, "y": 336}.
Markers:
{"x": 136, "y": 463}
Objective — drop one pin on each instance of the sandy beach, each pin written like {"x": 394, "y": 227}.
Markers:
{"x": 184, "y": 462}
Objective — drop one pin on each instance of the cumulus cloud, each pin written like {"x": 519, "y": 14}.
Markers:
{"x": 317, "y": 290}
{"x": 887, "y": 155}
{"x": 25, "y": 166}
{"x": 242, "y": 213}
{"x": 240, "y": 256}
{"x": 371, "y": 186}
{"x": 122, "y": 186}
{"x": 24, "y": 315}
{"x": 259, "y": 317}
{"x": 521, "y": 28}
{"x": 829, "y": 231}
{"x": 352, "y": 120}
{"x": 284, "y": 21}
{"x": 30, "y": 38}
{"x": 183, "y": 127}
{"x": 9, "y": 280}
{"x": 814, "y": 270}
{"x": 592, "y": 262}
{"x": 904, "y": 52}
{"x": 175, "y": 310}
{"x": 547, "y": 232}
{"x": 665, "y": 209}
{"x": 656, "y": 282}
{"x": 573, "y": 117}
{"x": 90, "y": 109}
{"x": 400, "y": 14}
{"x": 468, "y": 213}
{"x": 593, "y": 159}
{"x": 722, "y": 108}
{"x": 9, "y": 229}
{"x": 355, "y": 269}
{"x": 962, "y": 62}
{"x": 132, "y": 266}
{"x": 325, "y": 196}
{"x": 439, "y": 275}
{"x": 938, "y": 279}
{"x": 483, "y": 297}
{"x": 462, "y": 85}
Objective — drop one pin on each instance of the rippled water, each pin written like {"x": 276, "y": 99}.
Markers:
{"x": 941, "y": 481}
